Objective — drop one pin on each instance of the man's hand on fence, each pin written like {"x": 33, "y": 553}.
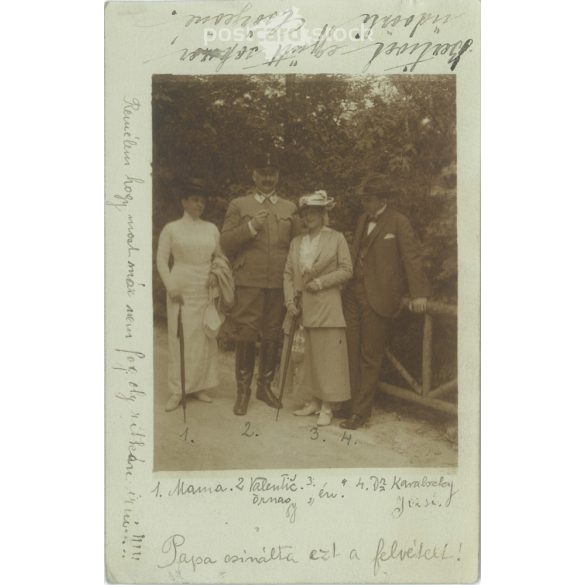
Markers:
{"x": 418, "y": 305}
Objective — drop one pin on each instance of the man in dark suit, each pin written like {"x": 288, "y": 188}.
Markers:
{"x": 387, "y": 266}
{"x": 256, "y": 235}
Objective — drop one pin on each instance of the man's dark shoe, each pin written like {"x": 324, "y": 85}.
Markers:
{"x": 344, "y": 411}
{"x": 353, "y": 422}
{"x": 241, "y": 405}
{"x": 265, "y": 394}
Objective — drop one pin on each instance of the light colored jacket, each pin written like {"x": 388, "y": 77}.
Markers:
{"x": 220, "y": 267}
{"x": 332, "y": 268}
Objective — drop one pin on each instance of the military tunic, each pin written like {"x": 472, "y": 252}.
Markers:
{"x": 258, "y": 260}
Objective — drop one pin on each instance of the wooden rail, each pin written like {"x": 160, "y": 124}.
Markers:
{"x": 423, "y": 393}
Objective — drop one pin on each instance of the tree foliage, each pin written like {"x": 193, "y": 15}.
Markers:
{"x": 331, "y": 131}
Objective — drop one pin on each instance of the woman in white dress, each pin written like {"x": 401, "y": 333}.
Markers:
{"x": 192, "y": 244}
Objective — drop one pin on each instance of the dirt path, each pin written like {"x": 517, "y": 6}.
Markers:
{"x": 396, "y": 436}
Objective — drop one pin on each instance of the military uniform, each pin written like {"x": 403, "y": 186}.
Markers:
{"x": 258, "y": 259}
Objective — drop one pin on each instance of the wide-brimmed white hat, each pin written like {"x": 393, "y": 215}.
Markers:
{"x": 316, "y": 199}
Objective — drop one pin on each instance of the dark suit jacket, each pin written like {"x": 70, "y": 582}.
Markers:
{"x": 393, "y": 265}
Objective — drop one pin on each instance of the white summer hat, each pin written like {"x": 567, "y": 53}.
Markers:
{"x": 316, "y": 199}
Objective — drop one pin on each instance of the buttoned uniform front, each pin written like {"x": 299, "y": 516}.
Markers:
{"x": 387, "y": 267}
{"x": 258, "y": 259}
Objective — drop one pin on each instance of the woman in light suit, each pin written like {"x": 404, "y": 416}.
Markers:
{"x": 318, "y": 264}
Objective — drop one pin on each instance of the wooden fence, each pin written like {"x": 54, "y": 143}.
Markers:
{"x": 423, "y": 393}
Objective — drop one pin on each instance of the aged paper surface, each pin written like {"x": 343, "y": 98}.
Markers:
{"x": 179, "y": 507}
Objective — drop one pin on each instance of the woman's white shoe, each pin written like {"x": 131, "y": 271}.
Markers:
{"x": 173, "y": 402}
{"x": 203, "y": 396}
{"x": 311, "y": 407}
{"x": 325, "y": 417}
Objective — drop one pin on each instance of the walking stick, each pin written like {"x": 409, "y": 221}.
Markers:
{"x": 181, "y": 337}
{"x": 288, "y": 350}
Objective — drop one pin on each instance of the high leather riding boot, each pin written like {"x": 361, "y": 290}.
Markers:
{"x": 245, "y": 358}
{"x": 266, "y": 370}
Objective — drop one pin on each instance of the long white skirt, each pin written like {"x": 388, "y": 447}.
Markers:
{"x": 201, "y": 352}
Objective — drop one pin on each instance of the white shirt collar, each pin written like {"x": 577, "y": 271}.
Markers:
{"x": 372, "y": 222}
{"x": 272, "y": 197}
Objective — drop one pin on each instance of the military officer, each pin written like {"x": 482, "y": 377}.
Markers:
{"x": 256, "y": 235}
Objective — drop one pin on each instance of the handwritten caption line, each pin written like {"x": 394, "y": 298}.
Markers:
{"x": 126, "y": 361}
{"x": 284, "y": 38}
{"x": 176, "y": 554}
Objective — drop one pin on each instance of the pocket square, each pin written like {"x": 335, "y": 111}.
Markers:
{"x": 389, "y": 236}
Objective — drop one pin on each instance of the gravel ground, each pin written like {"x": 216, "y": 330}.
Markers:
{"x": 399, "y": 434}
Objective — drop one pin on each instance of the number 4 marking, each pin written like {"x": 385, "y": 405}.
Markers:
{"x": 346, "y": 437}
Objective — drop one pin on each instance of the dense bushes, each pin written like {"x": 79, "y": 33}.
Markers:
{"x": 331, "y": 132}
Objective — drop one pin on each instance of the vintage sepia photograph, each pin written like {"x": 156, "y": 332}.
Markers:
{"x": 305, "y": 271}
{"x": 292, "y": 308}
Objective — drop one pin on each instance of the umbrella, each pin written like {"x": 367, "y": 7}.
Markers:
{"x": 181, "y": 337}
{"x": 288, "y": 350}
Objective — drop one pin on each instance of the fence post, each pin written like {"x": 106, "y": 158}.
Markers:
{"x": 427, "y": 354}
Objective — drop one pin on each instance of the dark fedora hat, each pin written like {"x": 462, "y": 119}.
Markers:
{"x": 377, "y": 185}
{"x": 266, "y": 159}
